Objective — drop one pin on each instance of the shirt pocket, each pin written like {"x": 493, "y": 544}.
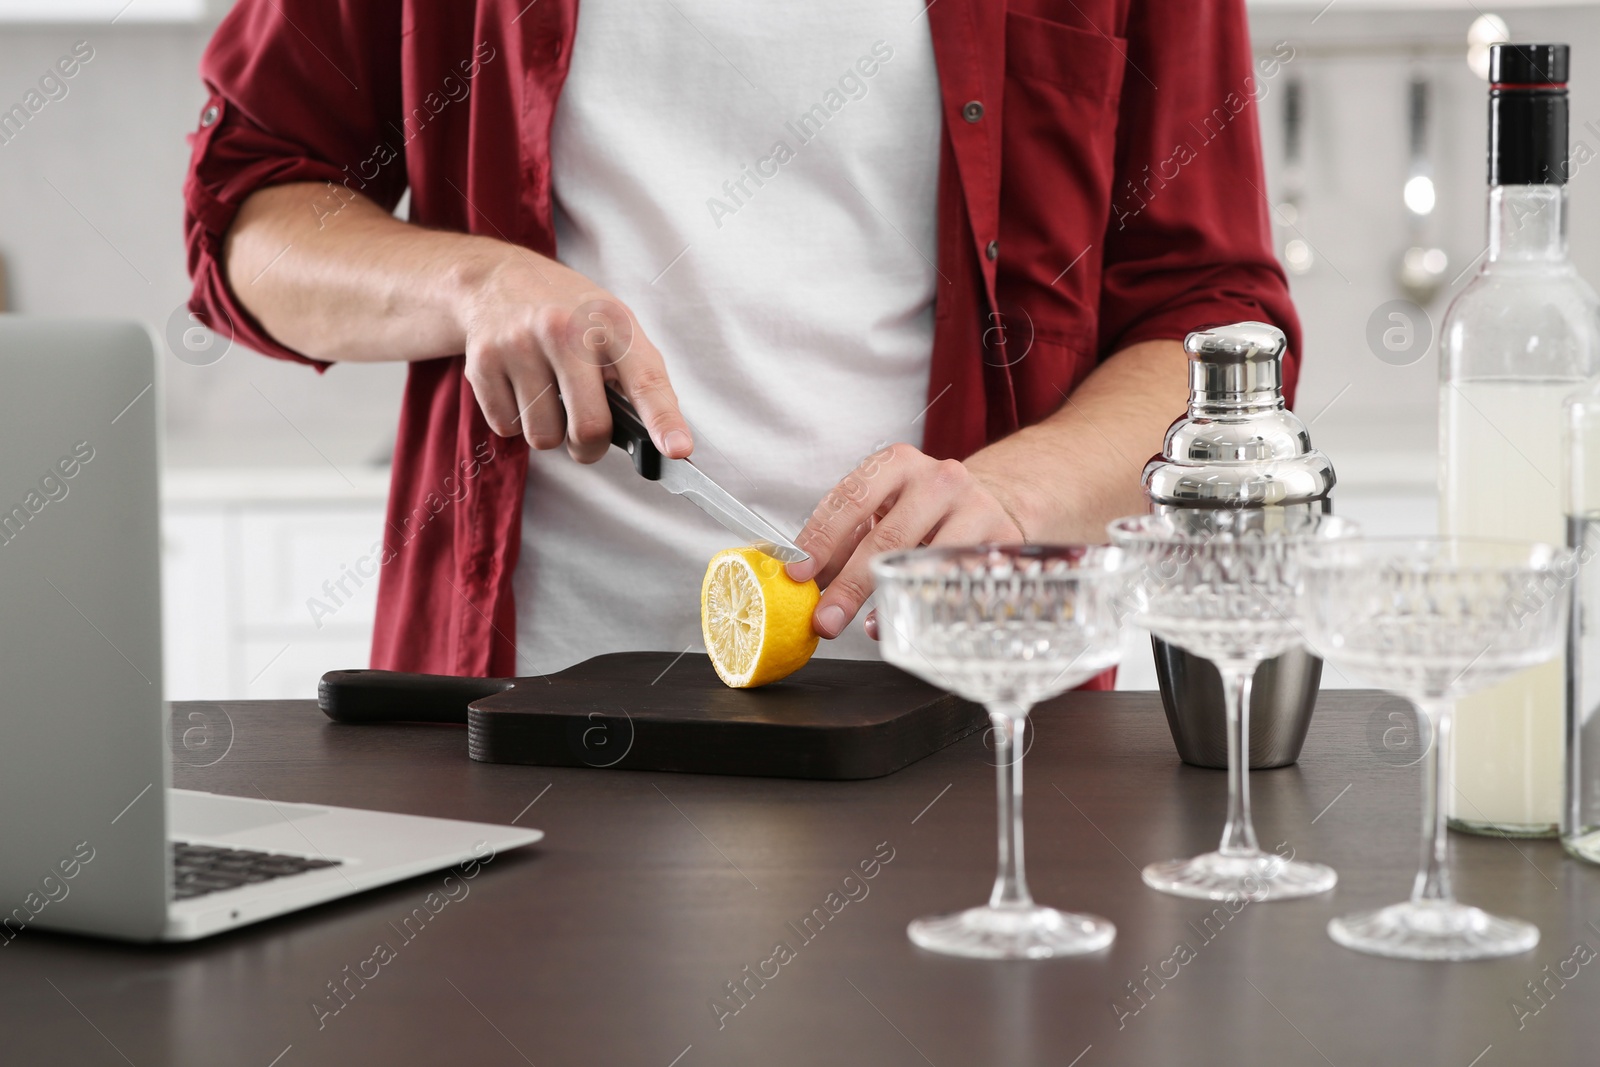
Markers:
{"x": 1083, "y": 62}
{"x": 1058, "y": 145}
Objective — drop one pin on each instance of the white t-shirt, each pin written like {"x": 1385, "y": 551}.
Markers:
{"x": 757, "y": 183}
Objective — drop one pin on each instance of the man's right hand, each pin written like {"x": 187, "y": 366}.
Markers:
{"x": 541, "y": 340}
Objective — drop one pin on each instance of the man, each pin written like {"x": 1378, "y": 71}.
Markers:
{"x": 953, "y": 245}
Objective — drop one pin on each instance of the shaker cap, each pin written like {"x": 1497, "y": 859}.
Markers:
{"x": 1254, "y": 342}
{"x": 1239, "y": 445}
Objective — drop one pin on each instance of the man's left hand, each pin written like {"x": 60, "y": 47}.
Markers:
{"x": 897, "y": 498}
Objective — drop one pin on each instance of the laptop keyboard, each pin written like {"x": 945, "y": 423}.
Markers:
{"x": 202, "y": 869}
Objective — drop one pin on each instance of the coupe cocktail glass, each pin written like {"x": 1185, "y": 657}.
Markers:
{"x": 1433, "y": 620}
{"x": 1005, "y": 626}
{"x": 1222, "y": 583}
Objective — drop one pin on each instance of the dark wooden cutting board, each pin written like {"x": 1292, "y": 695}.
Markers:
{"x": 661, "y": 711}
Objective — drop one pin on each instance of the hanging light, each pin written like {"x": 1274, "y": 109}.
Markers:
{"x": 1484, "y": 31}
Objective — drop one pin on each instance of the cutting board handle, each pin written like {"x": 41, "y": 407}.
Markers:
{"x": 393, "y": 696}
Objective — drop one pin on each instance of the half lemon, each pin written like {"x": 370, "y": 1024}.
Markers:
{"x": 755, "y": 619}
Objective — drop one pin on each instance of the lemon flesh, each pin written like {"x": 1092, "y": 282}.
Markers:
{"x": 755, "y": 619}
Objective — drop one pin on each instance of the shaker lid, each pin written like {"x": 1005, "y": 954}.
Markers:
{"x": 1239, "y": 445}
{"x": 1243, "y": 341}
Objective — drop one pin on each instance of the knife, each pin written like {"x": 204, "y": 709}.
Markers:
{"x": 683, "y": 478}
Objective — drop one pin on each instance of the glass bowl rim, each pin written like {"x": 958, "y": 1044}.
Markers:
{"x": 1090, "y": 561}
{"x": 1519, "y": 554}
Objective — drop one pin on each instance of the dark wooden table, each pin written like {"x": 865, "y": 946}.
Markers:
{"x": 612, "y": 940}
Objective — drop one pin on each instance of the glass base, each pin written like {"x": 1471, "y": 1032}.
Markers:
{"x": 1012, "y": 933}
{"x": 1584, "y": 845}
{"x": 1504, "y": 829}
{"x": 1257, "y": 877}
{"x": 1433, "y": 931}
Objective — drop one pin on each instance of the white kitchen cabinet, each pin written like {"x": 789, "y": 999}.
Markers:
{"x": 265, "y": 590}
{"x": 308, "y": 565}
{"x": 288, "y": 668}
{"x": 196, "y": 602}
{"x": 249, "y": 559}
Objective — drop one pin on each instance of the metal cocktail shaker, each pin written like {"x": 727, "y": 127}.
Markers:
{"x": 1239, "y": 447}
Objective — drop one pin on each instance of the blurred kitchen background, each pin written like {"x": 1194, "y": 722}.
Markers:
{"x": 1374, "y": 136}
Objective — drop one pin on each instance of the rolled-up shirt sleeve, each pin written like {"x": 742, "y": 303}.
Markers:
{"x": 1189, "y": 240}
{"x": 297, "y": 91}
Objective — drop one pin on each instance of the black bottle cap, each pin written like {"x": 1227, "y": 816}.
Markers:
{"x": 1528, "y": 114}
{"x": 1528, "y": 65}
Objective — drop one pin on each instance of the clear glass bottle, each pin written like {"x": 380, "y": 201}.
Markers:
{"x": 1517, "y": 341}
{"x": 1580, "y": 809}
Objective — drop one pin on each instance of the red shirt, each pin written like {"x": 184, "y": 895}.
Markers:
{"x": 1100, "y": 184}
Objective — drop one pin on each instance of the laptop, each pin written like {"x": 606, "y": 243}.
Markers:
{"x": 92, "y": 838}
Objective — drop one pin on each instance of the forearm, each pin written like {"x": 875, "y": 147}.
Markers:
{"x": 356, "y": 285}
{"x": 1064, "y": 478}
{"x": 540, "y": 339}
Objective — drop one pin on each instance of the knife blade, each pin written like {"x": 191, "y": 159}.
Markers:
{"x": 683, "y": 478}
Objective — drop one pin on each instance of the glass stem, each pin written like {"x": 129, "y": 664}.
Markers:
{"x": 1433, "y": 874}
{"x": 1010, "y": 883}
{"x": 1238, "y": 836}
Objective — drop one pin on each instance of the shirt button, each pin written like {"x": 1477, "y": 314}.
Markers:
{"x": 209, "y": 115}
{"x": 993, "y": 250}
{"x": 973, "y": 111}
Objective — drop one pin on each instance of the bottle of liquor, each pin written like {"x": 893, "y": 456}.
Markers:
{"x": 1517, "y": 341}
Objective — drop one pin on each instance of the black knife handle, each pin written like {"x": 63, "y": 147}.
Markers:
{"x": 392, "y": 696}
{"x": 629, "y": 434}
